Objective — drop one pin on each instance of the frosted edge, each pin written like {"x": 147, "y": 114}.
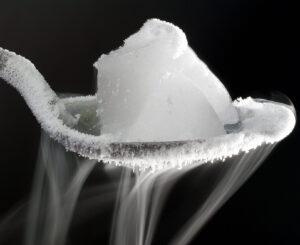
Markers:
{"x": 262, "y": 123}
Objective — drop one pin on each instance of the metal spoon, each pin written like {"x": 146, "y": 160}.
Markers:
{"x": 73, "y": 123}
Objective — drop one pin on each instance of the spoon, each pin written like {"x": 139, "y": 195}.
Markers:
{"x": 62, "y": 120}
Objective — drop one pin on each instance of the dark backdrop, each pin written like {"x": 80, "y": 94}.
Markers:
{"x": 251, "y": 46}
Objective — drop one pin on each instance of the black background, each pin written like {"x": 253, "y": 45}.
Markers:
{"x": 251, "y": 46}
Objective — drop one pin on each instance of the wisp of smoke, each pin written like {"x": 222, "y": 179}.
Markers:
{"x": 142, "y": 198}
{"x": 58, "y": 180}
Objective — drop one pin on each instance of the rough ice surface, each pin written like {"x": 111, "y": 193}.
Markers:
{"x": 155, "y": 88}
{"x": 73, "y": 122}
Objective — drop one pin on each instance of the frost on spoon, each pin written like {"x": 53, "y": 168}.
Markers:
{"x": 159, "y": 105}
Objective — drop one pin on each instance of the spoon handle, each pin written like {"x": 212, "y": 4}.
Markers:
{"x": 20, "y": 73}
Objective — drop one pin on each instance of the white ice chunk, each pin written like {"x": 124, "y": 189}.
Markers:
{"x": 155, "y": 88}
